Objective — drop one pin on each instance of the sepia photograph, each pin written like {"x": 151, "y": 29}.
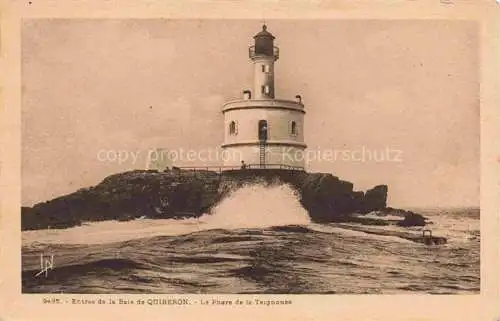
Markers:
{"x": 250, "y": 156}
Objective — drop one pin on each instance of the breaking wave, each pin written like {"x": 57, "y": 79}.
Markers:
{"x": 257, "y": 206}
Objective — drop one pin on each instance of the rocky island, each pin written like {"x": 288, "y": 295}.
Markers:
{"x": 177, "y": 193}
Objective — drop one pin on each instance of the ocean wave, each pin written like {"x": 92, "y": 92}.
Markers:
{"x": 290, "y": 259}
{"x": 293, "y": 229}
{"x": 77, "y": 269}
{"x": 166, "y": 256}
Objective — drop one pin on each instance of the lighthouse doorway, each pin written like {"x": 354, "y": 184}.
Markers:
{"x": 262, "y": 130}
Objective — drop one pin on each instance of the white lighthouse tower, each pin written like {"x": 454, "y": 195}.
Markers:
{"x": 261, "y": 130}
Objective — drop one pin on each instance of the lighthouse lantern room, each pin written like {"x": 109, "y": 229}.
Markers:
{"x": 260, "y": 130}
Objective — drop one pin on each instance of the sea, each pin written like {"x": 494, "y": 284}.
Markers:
{"x": 258, "y": 240}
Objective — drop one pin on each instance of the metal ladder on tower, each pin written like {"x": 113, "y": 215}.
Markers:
{"x": 262, "y": 149}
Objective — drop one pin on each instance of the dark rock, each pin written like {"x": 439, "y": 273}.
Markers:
{"x": 375, "y": 199}
{"x": 179, "y": 193}
{"x": 434, "y": 240}
{"x": 408, "y": 218}
{"x": 412, "y": 219}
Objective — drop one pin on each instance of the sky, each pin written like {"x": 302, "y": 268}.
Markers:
{"x": 405, "y": 90}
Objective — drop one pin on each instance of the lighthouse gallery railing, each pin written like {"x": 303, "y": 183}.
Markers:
{"x": 252, "y": 54}
{"x": 221, "y": 169}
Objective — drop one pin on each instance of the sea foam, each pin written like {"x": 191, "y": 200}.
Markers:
{"x": 257, "y": 206}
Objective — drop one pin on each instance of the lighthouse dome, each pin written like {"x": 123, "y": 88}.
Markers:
{"x": 264, "y": 33}
{"x": 264, "y": 44}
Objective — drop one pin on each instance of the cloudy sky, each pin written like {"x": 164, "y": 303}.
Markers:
{"x": 410, "y": 87}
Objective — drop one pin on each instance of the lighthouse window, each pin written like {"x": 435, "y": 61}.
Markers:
{"x": 266, "y": 89}
{"x": 232, "y": 128}
{"x": 293, "y": 128}
{"x": 265, "y": 68}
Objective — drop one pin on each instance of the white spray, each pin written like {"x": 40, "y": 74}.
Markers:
{"x": 258, "y": 205}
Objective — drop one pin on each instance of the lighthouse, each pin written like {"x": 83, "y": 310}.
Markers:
{"x": 260, "y": 130}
